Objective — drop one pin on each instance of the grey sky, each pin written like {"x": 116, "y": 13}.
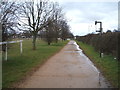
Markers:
{"x": 82, "y": 15}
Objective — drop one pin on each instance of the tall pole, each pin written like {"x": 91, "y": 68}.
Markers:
{"x": 101, "y": 28}
{"x": 101, "y": 53}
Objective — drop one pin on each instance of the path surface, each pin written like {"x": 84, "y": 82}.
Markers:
{"x": 69, "y": 68}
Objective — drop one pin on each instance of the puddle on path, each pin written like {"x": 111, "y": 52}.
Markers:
{"x": 102, "y": 81}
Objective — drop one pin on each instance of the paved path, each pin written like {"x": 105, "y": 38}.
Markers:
{"x": 69, "y": 68}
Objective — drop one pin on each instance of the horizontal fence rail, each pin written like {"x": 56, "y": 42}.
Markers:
{"x": 8, "y": 42}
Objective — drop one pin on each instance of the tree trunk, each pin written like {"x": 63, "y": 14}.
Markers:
{"x": 56, "y": 37}
{"x": 48, "y": 43}
{"x": 34, "y": 42}
{"x": 56, "y": 40}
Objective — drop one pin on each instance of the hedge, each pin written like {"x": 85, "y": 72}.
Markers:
{"x": 107, "y": 42}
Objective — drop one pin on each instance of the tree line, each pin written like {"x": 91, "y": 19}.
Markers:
{"x": 107, "y": 42}
{"x": 35, "y": 18}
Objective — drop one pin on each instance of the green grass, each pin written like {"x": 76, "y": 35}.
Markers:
{"x": 18, "y": 66}
{"x": 107, "y": 65}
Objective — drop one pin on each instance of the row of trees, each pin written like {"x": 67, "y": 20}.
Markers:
{"x": 108, "y": 42}
{"x": 34, "y": 17}
{"x": 56, "y": 30}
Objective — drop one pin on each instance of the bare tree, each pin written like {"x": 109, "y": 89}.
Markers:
{"x": 8, "y": 19}
{"x": 36, "y": 15}
{"x": 65, "y": 29}
{"x": 57, "y": 28}
{"x": 58, "y": 15}
{"x": 53, "y": 28}
{"x": 49, "y": 32}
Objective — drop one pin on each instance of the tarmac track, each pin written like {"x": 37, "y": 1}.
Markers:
{"x": 69, "y": 68}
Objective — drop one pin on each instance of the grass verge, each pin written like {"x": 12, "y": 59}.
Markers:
{"x": 18, "y": 66}
{"x": 107, "y": 65}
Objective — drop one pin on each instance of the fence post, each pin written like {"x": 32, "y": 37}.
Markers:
{"x": 21, "y": 47}
{"x": 6, "y": 47}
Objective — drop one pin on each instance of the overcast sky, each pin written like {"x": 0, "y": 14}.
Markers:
{"x": 81, "y": 15}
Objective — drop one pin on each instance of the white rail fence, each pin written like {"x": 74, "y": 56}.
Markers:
{"x": 8, "y": 42}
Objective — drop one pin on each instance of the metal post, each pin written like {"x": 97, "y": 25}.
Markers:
{"x": 101, "y": 54}
{"x": 100, "y": 37}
